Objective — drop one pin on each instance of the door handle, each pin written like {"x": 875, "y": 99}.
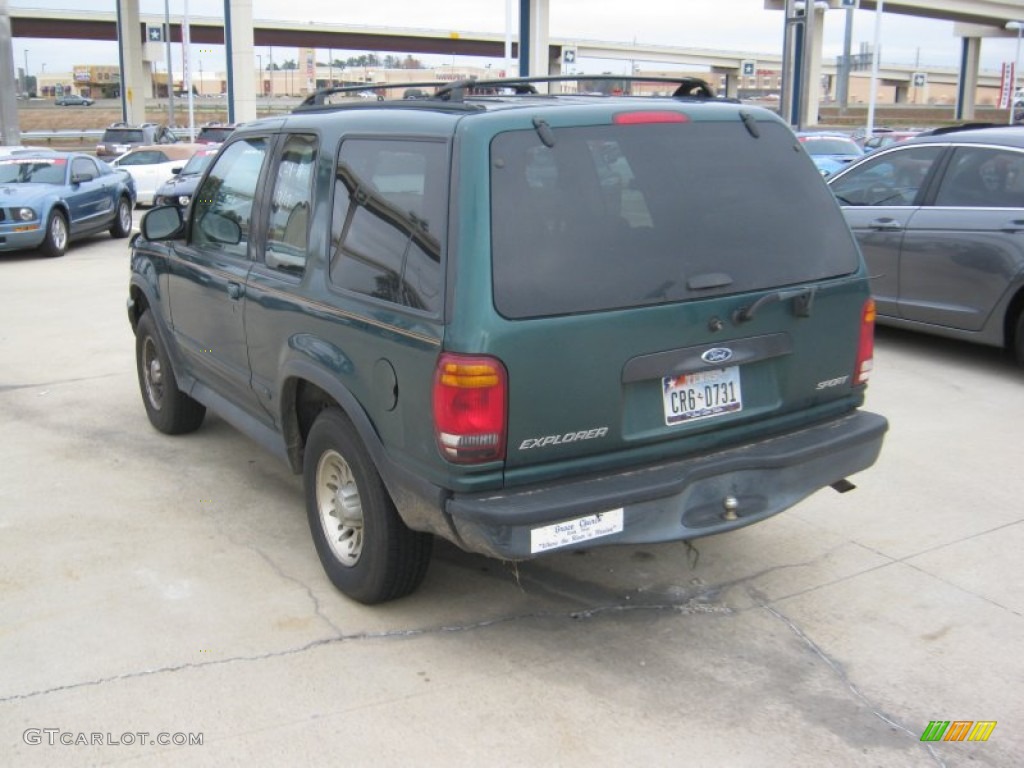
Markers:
{"x": 1017, "y": 225}
{"x": 886, "y": 225}
{"x": 235, "y": 290}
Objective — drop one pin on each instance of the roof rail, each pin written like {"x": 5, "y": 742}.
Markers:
{"x": 457, "y": 91}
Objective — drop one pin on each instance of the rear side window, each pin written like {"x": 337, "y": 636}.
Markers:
{"x": 388, "y": 225}
{"x": 633, "y": 215}
{"x": 983, "y": 177}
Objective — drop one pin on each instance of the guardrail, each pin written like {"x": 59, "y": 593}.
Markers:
{"x": 61, "y": 137}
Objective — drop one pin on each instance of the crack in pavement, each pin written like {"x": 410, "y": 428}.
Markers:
{"x": 392, "y": 634}
{"x": 840, "y": 673}
{"x": 13, "y": 387}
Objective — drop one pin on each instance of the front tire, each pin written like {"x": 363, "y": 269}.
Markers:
{"x": 169, "y": 409}
{"x": 122, "y": 226}
{"x": 365, "y": 548}
{"x": 55, "y": 243}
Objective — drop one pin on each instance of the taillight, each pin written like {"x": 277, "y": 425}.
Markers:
{"x": 647, "y": 117}
{"x": 470, "y": 408}
{"x": 866, "y": 345}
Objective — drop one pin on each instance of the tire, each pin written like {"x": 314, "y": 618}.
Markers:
{"x": 55, "y": 242}
{"x": 369, "y": 554}
{"x": 169, "y": 409}
{"x": 122, "y": 226}
{"x": 1018, "y": 340}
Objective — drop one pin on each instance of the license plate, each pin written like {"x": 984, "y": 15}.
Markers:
{"x": 702, "y": 395}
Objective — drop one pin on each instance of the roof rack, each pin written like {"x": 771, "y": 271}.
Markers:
{"x": 459, "y": 90}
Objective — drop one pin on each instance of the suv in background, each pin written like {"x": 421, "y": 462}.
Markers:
{"x": 118, "y": 138}
{"x": 526, "y": 323}
{"x": 214, "y": 133}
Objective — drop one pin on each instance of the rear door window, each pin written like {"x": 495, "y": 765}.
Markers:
{"x": 640, "y": 214}
{"x": 388, "y": 224}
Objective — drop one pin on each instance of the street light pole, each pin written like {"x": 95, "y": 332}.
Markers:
{"x": 1019, "y": 26}
{"x": 24, "y": 84}
{"x": 259, "y": 86}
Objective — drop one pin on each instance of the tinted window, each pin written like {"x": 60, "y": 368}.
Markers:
{"x": 291, "y": 202}
{"x": 84, "y": 166}
{"x": 983, "y": 177}
{"x": 894, "y": 178}
{"x": 146, "y": 157}
{"x": 388, "y": 227}
{"x": 122, "y": 136}
{"x": 222, "y": 207}
{"x": 34, "y": 171}
{"x": 632, "y": 215}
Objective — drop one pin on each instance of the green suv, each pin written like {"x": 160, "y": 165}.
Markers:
{"x": 527, "y": 323}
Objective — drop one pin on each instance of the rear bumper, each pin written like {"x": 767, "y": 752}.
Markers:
{"x": 670, "y": 501}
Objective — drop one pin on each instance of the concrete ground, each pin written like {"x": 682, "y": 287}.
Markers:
{"x": 157, "y": 589}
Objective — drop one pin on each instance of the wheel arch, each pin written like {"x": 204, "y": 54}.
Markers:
{"x": 306, "y": 390}
{"x": 1012, "y": 320}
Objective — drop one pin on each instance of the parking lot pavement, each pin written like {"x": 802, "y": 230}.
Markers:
{"x": 169, "y": 587}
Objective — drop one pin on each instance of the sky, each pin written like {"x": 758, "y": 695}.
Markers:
{"x": 733, "y": 25}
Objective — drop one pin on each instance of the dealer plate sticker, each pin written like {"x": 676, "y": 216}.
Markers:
{"x": 702, "y": 395}
{"x": 574, "y": 531}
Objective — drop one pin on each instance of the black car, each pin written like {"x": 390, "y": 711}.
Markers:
{"x": 178, "y": 189}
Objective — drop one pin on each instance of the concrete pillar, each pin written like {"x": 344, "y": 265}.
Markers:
{"x": 134, "y": 85}
{"x": 732, "y": 82}
{"x": 540, "y": 58}
{"x": 970, "y": 62}
{"x": 241, "y": 59}
{"x": 8, "y": 98}
{"x": 811, "y": 84}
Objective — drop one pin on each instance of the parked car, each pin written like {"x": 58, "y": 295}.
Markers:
{"x": 178, "y": 189}
{"x": 121, "y": 137}
{"x": 73, "y": 100}
{"x": 526, "y": 323}
{"x": 215, "y": 133}
{"x": 883, "y": 137}
{"x": 151, "y": 166}
{"x": 940, "y": 220}
{"x": 829, "y": 151}
{"x": 51, "y": 198}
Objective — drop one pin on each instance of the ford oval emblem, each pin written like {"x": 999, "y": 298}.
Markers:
{"x": 717, "y": 355}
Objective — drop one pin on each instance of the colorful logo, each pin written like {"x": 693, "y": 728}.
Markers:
{"x": 958, "y": 730}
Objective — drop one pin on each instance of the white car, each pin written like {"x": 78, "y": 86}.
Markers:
{"x": 154, "y": 164}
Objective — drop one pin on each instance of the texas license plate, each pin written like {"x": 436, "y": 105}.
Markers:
{"x": 702, "y": 395}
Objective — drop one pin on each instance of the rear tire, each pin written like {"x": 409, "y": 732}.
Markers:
{"x": 169, "y": 409}
{"x": 55, "y": 243}
{"x": 1018, "y": 340}
{"x": 365, "y": 548}
{"x": 122, "y": 226}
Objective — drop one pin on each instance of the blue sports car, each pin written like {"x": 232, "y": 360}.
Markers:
{"x": 48, "y": 199}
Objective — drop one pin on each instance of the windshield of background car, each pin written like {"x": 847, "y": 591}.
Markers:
{"x": 830, "y": 146}
{"x": 122, "y": 136}
{"x": 26, "y": 170}
{"x": 636, "y": 215}
{"x": 197, "y": 163}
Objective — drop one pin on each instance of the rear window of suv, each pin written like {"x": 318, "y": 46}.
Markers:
{"x": 122, "y": 136}
{"x": 632, "y": 215}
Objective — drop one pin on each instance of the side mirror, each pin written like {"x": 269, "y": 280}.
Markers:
{"x": 163, "y": 223}
{"x": 81, "y": 178}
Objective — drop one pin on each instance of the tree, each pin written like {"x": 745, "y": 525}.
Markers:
{"x": 290, "y": 64}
